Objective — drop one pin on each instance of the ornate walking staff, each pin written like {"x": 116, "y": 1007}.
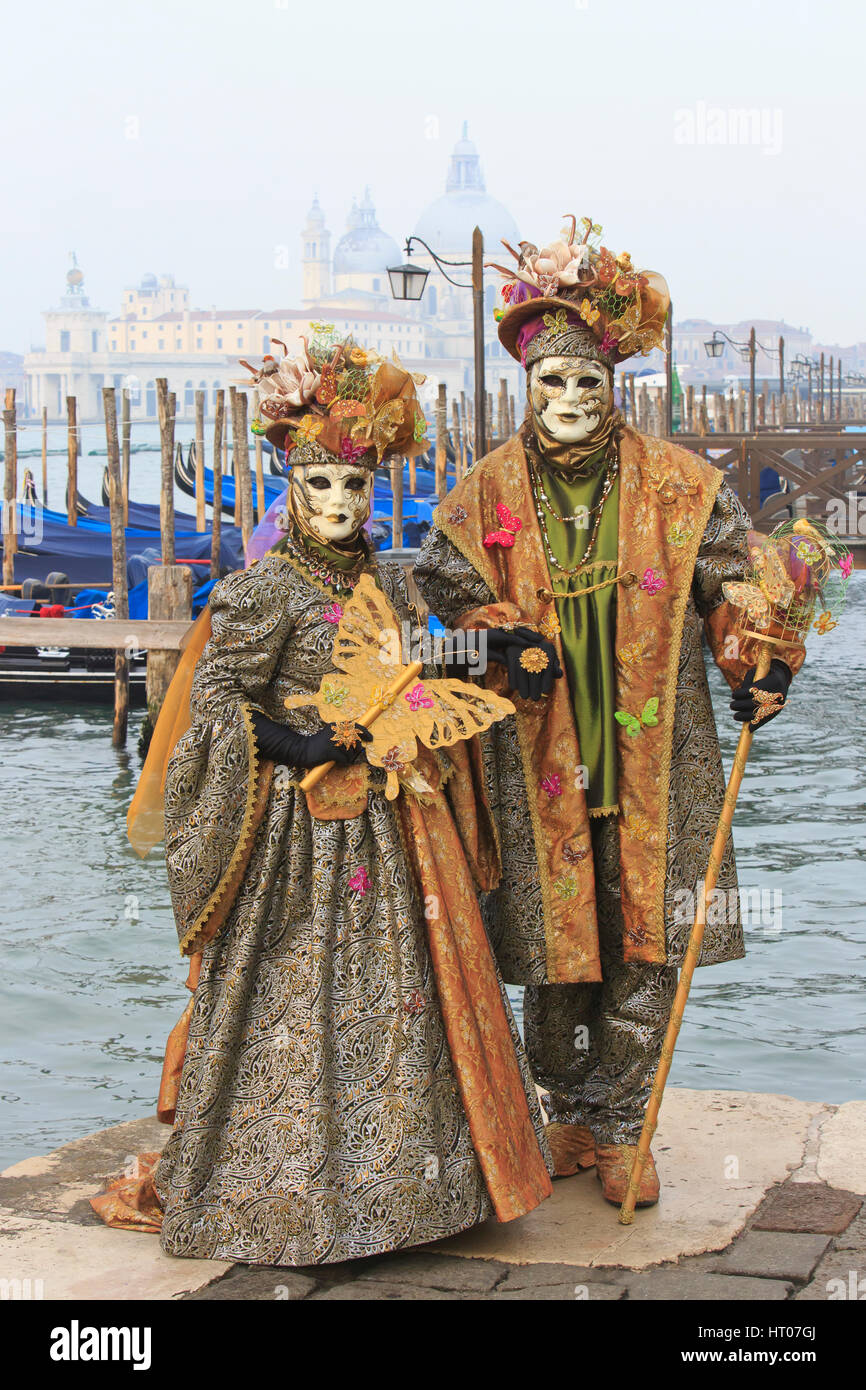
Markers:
{"x": 799, "y": 567}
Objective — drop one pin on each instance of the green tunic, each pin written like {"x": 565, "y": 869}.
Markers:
{"x": 588, "y": 623}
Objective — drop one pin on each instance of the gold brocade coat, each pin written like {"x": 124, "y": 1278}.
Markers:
{"x": 682, "y": 533}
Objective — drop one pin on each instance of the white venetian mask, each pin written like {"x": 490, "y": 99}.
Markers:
{"x": 571, "y": 397}
{"x": 332, "y": 500}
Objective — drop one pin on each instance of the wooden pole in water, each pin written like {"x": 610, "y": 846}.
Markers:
{"x": 397, "y": 492}
{"x": 169, "y": 595}
{"x": 10, "y": 488}
{"x": 502, "y": 420}
{"x": 243, "y": 480}
{"x": 200, "y": 514}
{"x": 231, "y": 421}
{"x": 118, "y": 564}
{"x": 71, "y": 461}
{"x": 693, "y": 951}
{"x": 125, "y": 450}
{"x": 166, "y": 492}
{"x": 45, "y": 456}
{"x": 441, "y": 441}
{"x": 261, "y": 502}
{"x": 216, "y": 520}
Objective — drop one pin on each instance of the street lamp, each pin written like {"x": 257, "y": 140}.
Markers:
{"x": 801, "y": 365}
{"x": 408, "y": 281}
{"x": 715, "y": 346}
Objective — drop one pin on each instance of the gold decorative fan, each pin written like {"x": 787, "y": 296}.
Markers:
{"x": 373, "y": 687}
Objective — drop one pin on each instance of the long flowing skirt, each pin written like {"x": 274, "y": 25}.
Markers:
{"x": 319, "y": 1118}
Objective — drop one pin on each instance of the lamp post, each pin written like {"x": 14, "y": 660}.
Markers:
{"x": 669, "y": 371}
{"x": 408, "y": 281}
{"x": 715, "y": 346}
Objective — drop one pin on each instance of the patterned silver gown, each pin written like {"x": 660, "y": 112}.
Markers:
{"x": 318, "y": 1118}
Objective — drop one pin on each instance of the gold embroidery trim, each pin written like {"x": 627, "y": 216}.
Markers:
{"x": 668, "y": 706}
{"x": 243, "y": 838}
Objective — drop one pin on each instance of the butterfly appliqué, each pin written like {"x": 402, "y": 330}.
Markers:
{"x": 511, "y": 525}
{"x": 635, "y": 722}
{"x": 652, "y": 583}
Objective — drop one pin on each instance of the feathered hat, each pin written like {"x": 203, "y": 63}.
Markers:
{"x": 574, "y": 297}
{"x": 338, "y": 400}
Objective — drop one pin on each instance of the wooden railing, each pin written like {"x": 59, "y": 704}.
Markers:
{"x": 830, "y": 467}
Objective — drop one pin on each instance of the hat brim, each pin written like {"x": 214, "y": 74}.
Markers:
{"x": 513, "y": 320}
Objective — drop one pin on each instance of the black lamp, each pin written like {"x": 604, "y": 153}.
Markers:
{"x": 408, "y": 280}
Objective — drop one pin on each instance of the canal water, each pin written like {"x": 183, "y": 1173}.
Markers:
{"x": 92, "y": 982}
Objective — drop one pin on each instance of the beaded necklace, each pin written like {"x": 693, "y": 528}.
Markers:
{"x": 343, "y": 581}
{"x": 540, "y": 497}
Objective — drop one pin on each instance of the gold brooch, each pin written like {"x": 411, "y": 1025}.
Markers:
{"x": 345, "y": 734}
{"x": 534, "y": 659}
{"x": 768, "y": 701}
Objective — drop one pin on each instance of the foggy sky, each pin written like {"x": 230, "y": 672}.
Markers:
{"x": 189, "y": 136}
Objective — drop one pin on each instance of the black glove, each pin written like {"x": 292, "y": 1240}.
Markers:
{"x": 284, "y": 745}
{"x": 746, "y": 706}
{"x": 506, "y": 646}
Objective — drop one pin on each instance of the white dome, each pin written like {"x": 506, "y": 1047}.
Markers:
{"x": 365, "y": 247}
{"x": 448, "y": 223}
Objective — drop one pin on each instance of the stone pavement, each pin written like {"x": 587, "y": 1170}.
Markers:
{"x": 761, "y": 1199}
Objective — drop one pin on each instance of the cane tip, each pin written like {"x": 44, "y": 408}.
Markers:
{"x": 626, "y": 1218}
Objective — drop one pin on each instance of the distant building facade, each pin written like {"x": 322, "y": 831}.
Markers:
{"x": 158, "y": 334}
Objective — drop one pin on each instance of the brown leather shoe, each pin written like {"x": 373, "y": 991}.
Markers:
{"x": 613, "y": 1169}
{"x": 572, "y": 1148}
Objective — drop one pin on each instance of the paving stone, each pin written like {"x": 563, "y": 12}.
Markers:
{"x": 773, "y": 1255}
{"x": 681, "y": 1284}
{"x": 592, "y": 1292}
{"x": 840, "y": 1277}
{"x": 538, "y": 1275}
{"x": 371, "y": 1290}
{"x": 854, "y": 1238}
{"x": 264, "y": 1283}
{"x": 448, "y": 1272}
{"x": 808, "y": 1207}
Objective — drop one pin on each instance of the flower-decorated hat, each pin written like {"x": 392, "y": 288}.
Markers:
{"x": 337, "y": 398}
{"x": 574, "y": 297}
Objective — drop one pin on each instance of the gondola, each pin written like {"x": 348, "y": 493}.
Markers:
{"x": 142, "y": 515}
{"x": 46, "y": 543}
{"x": 66, "y": 675}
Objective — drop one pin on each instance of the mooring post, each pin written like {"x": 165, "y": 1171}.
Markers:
{"x": 72, "y": 461}
{"x": 200, "y": 514}
{"x": 441, "y": 441}
{"x": 45, "y": 456}
{"x": 261, "y": 502}
{"x": 169, "y": 595}
{"x": 10, "y": 488}
{"x": 125, "y": 450}
{"x": 164, "y": 404}
{"x": 118, "y": 564}
{"x": 216, "y": 519}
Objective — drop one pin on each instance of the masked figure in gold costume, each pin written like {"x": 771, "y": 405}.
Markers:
{"x": 352, "y": 1081}
{"x": 592, "y": 557}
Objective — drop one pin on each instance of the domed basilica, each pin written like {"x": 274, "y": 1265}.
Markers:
{"x": 354, "y": 279}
